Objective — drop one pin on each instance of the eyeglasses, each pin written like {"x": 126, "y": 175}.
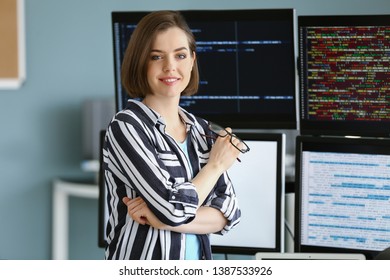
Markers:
{"x": 222, "y": 132}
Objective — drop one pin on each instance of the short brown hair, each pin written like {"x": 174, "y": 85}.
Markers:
{"x": 135, "y": 61}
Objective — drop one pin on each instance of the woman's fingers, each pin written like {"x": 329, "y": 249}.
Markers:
{"x": 137, "y": 209}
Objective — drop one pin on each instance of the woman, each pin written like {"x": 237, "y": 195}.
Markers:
{"x": 165, "y": 175}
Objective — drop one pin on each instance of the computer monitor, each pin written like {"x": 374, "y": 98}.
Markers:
{"x": 344, "y": 70}
{"x": 308, "y": 256}
{"x": 259, "y": 184}
{"x": 247, "y": 65}
{"x": 342, "y": 195}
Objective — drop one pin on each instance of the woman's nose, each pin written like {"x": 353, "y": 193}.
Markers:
{"x": 169, "y": 65}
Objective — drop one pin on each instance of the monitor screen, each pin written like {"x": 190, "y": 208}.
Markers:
{"x": 259, "y": 184}
{"x": 344, "y": 70}
{"x": 342, "y": 195}
{"x": 247, "y": 65}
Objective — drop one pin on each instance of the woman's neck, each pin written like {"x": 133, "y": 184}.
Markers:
{"x": 169, "y": 110}
{"x": 166, "y": 107}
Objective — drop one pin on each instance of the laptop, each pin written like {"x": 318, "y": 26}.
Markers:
{"x": 308, "y": 256}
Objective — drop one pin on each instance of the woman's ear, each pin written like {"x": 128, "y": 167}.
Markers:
{"x": 193, "y": 58}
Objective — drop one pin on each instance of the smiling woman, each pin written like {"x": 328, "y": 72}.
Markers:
{"x": 166, "y": 179}
{"x": 12, "y": 44}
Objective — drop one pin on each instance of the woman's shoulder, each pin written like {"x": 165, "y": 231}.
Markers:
{"x": 136, "y": 114}
{"x": 194, "y": 119}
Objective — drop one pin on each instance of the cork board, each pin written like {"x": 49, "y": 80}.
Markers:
{"x": 12, "y": 70}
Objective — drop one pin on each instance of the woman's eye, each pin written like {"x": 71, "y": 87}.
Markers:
{"x": 155, "y": 57}
{"x": 182, "y": 56}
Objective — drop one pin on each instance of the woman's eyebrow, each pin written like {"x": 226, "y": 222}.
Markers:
{"x": 175, "y": 50}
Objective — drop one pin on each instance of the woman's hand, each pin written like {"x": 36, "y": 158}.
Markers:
{"x": 139, "y": 211}
{"x": 223, "y": 154}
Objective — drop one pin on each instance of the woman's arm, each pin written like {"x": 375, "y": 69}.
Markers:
{"x": 222, "y": 156}
{"x": 132, "y": 157}
{"x": 138, "y": 168}
{"x": 207, "y": 220}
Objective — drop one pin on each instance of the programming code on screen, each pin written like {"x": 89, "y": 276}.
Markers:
{"x": 346, "y": 73}
{"x": 345, "y": 200}
{"x": 240, "y": 70}
{"x": 240, "y": 64}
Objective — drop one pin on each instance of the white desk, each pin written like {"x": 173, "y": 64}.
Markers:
{"x": 62, "y": 190}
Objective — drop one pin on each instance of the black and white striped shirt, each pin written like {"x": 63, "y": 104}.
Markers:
{"x": 140, "y": 159}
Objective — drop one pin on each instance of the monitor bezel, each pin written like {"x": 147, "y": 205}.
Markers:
{"x": 334, "y": 143}
{"x": 237, "y": 120}
{"x": 337, "y": 128}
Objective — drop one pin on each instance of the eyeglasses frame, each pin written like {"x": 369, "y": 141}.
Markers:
{"x": 243, "y": 151}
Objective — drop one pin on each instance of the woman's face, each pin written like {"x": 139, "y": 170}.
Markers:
{"x": 170, "y": 63}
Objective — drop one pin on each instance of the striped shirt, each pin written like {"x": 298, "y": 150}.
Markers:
{"x": 140, "y": 159}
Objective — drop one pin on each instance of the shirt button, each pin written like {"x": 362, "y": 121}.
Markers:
{"x": 173, "y": 197}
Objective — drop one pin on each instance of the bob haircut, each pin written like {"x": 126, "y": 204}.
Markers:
{"x": 137, "y": 55}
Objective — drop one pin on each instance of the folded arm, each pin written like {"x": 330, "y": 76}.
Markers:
{"x": 207, "y": 220}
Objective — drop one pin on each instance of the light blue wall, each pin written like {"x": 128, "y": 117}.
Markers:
{"x": 69, "y": 59}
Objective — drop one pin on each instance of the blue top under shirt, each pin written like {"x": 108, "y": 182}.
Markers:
{"x": 192, "y": 251}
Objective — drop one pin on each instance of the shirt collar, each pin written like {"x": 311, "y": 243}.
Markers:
{"x": 155, "y": 118}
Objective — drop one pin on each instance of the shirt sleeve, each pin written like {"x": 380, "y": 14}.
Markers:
{"x": 133, "y": 159}
{"x": 224, "y": 199}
